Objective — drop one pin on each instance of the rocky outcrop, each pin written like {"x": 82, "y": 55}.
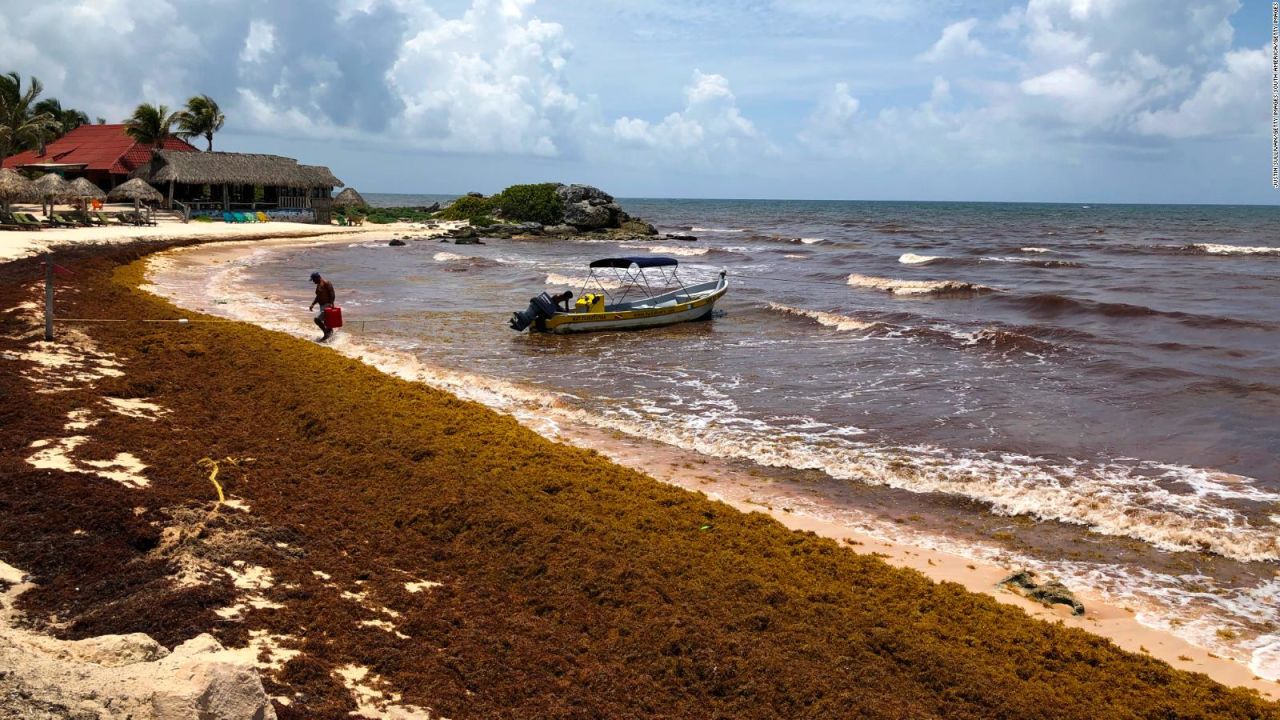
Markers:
{"x": 397, "y": 242}
{"x": 590, "y": 208}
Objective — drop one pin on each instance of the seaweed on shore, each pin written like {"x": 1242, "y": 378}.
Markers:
{"x": 567, "y": 586}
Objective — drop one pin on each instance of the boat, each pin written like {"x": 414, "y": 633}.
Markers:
{"x": 632, "y": 305}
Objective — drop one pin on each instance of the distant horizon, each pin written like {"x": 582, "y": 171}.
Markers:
{"x": 864, "y": 200}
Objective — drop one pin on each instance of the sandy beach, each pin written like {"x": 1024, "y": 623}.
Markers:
{"x": 99, "y": 372}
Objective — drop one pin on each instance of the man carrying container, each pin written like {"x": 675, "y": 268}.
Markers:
{"x": 325, "y": 298}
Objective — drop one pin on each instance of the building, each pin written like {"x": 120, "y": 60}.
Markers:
{"x": 219, "y": 181}
{"x": 103, "y": 154}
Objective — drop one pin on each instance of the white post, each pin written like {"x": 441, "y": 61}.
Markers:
{"x": 48, "y": 297}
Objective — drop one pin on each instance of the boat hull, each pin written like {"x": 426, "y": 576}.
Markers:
{"x": 636, "y": 318}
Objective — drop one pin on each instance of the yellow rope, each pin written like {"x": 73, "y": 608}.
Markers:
{"x": 213, "y": 476}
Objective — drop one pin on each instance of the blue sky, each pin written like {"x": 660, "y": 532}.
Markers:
{"x": 1034, "y": 100}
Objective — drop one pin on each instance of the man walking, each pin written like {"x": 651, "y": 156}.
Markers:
{"x": 325, "y": 297}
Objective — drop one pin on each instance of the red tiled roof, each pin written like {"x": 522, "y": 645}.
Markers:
{"x": 97, "y": 147}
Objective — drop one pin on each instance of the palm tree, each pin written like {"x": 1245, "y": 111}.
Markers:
{"x": 21, "y": 124}
{"x": 68, "y": 118}
{"x": 202, "y": 118}
{"x": 151, "y": 124}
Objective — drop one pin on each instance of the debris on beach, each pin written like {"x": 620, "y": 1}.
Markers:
{"x": 1048, "y": 594}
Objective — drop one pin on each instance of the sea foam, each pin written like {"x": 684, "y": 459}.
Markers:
{"x": 917, "y": 287}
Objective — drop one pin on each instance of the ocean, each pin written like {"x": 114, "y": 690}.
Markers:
{"x": 1089, "y": 391}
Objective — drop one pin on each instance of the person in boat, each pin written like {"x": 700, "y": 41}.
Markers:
{"x": 325, "y": 297}
{"x": 563, "y": 301}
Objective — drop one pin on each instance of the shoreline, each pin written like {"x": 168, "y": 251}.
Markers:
{"x": 690, "y": 470}
{"x": 260, "y": 495}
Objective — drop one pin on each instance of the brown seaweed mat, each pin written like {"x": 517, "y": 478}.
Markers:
{"x": 570, "y": 587}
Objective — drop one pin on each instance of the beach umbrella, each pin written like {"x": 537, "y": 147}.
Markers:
{"x": 136, "y": 190}
{"x": 51, "y": 188}
{"x": 15, "y": 188}
{"x": 349, "y": 198}
{"x": 83, "y": 188}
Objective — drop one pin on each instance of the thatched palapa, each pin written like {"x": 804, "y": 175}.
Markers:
{"x": 83, "y": 188}
{"x": 52, "y": 186}
{"x": 223, "y": 168}
{"x": 350, "y": 198}
{"x": 136, "y": 190}
{"x": 15, "y": 188}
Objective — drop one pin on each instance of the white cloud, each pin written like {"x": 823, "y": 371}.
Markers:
{"x": 710, "y": 124}
{"x": 1228, "y": 101}
{"x": 955, "y": 42}
{"x": 260, "y": 41}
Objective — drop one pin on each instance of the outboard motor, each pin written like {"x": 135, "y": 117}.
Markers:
{"x": 540, "y": 308}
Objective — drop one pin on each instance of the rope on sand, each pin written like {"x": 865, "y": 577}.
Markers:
{"x": 213, "y": 476}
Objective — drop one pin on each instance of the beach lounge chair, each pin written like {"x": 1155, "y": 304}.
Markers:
{"x": 18, "y": 219}
{"x": 8, "y": 222}
{"x": 69, "y": 221}
{"x": 246, "y": 217}
{"x": 226, "y": 218}
{"x": 103, "y": 219}
{"x": 262, "y": 217}
{"x": 33, "y": 220}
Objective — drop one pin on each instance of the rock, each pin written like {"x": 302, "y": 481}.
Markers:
{"x": 475, "y": 194}
{"x": 209, "y": 685}
{"x": 585, "y": 216}
{"x": 1048, "y": 594}
{"x": 472, "y": 240}
{"x": 589, "y": 208}
{"x": 462, "y": 232}
{"x": 560, "y": 230}
{"x": 681, "y": 236}
{"x": 637, "y": 226}
{"x": 117, "y": 650}
{"x": 573, "y": 194}
{"x": 397, "y": 243}
{"x": 432, "y": 207}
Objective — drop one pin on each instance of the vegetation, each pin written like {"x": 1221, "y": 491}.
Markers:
{"x": 468, "y": 207}
{"x": 538, "y": 203}
{"x": 151, "y": 124}
{"x": 68, "y": 119}
{"x": 519, "y": 203}
{"x": 201, "y": 118}
{"x": 571, "y": 587}
{"x": 22, "y": 125}
{"x": 385, "y": 216}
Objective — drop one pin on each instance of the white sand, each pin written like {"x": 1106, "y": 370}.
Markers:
{"x": 16, "y": 245}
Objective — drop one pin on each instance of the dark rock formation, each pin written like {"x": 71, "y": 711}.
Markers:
{"x": 638, "y": 227}
{"x": 397, "y": 242}
{"x": 681, "y": 236}
{"x": 589, "y": 208}
{"x": 1048, "y": 594}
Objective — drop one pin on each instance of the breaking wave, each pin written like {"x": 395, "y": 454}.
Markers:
{"x": 668, "y": 249}
{"x": 1216, "y": 249}
{"x": 834, "y": 320}
{"x": 918, "y": 287}
{"x": 914, "y": 259}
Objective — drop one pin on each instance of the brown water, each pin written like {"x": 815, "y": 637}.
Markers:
{"x": 1092, "y": 392}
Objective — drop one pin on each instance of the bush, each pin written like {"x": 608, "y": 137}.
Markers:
{"x": 467, "y": 208}
{"x": 530, "y": 203}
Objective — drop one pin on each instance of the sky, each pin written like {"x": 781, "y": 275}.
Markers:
{"x": 1026, "y": 100}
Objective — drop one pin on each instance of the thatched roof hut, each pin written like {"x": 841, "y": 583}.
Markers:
{"x": 136, "y": 190}
{"x": 52, "y": 186}
{"x": 83, "y": 188}
{"x": 350, "y": 198}
{"x": 15, "y": 188}
{"x": 224, "y": 168}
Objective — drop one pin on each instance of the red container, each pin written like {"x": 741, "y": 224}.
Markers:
{"x": 333, "y": 317}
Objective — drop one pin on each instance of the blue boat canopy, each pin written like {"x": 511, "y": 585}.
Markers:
{"x": 641, "y": 262}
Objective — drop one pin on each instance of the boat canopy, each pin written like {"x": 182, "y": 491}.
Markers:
{"x": 641, "y": 262}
